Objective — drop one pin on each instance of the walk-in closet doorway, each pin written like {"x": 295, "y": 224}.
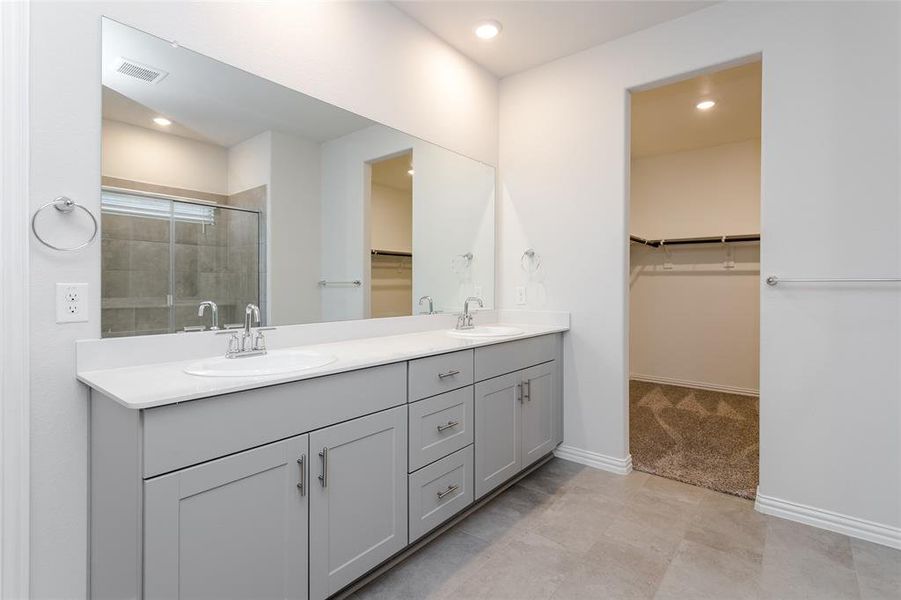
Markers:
{"x": 693, "y": 207}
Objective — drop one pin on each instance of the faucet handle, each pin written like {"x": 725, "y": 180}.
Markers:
{"x": 234, "y": 345}
{"x": 259, "y": 341}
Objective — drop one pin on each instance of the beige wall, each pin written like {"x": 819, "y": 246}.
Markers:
{"x": 391, "y": 228}
{"x": 696, "y": 323}
{"x": 391, "y": 219}
{"x": 710, "y": 191}
{"x": 148, "y": 156}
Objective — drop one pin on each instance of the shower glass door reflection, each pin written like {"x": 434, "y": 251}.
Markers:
{"x": 162, "y": 257}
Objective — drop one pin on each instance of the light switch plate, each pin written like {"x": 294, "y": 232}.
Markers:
{"x": 71, "y": 302}
{"x": 520, "y": 295}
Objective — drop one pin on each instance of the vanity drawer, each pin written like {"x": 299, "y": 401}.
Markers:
{"x": 440, "y": 425}
{"x": 436, "y": 374}
{"x": 500, "y": 359}
{"x": 180, "y": 435}
{"x": 439, "y": 491}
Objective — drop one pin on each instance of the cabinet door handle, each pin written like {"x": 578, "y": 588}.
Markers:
{"x": 519, "y": 392}
{"x": 450, "y": 373}
{"x": 448, "y": 426}
{"x": 527, "y": 390}
{"x": 450, "y": 490}
{"x": 302, "y": 486}
{"x": 323, "y": 478}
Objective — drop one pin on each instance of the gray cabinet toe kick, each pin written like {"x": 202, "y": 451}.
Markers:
{"x": 298, "y": 490}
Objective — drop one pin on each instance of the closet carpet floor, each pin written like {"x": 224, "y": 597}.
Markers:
{"x": 704, "y": 438}
{"x": 568, "y": 532}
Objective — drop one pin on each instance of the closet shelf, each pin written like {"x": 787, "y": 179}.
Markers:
{"x": 391, "y": 253}
{"x": 721, "y": 239}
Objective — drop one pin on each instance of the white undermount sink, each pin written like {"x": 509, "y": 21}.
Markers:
{"x": 485, "y": 331}
{"x": 273, "y": 363}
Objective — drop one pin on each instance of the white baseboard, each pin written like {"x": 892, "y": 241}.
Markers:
{"x": 699, "y": 385}
{"x": 620, "y": 466}
{"x": 877, "y": 533}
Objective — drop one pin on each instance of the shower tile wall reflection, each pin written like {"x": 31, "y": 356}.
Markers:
{"x": 147, "y": 260}
{"x": 135, "y": 275}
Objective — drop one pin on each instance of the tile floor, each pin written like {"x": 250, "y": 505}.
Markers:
{"x": 568, "y": 531}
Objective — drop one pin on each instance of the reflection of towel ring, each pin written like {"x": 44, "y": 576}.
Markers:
{"x": 534, "y": 261}
{"x": 461, "y": 262}
{"x": 64, "y": 205}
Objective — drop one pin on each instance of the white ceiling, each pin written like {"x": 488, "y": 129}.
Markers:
{"x": 538, "y": 32}
{"x": 206, "y": 99}
{"x": 665, "y": 119}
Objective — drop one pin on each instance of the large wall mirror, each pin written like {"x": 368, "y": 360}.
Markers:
{"x": 222, "y": 187}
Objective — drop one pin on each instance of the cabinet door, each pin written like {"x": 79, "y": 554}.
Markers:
{"x": 358, "y": 498}
{"x": 230, "y": 528}
{"x": 539, "y": 394}
{"x": 497, "y": 431}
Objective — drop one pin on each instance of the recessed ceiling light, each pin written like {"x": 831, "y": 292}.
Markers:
{"x": 705, "y": 105}
{"x": 487, "y": 30}
{"x": 162, "y": 121}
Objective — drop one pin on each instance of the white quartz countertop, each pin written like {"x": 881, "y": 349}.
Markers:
{"x": 158, "y": 384}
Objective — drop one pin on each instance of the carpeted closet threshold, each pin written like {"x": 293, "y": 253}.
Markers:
{"x": 704, "y": 438}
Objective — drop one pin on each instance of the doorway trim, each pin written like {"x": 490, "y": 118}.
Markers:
{"x": 627, "y": 214}
{"x": 15, "y": 545}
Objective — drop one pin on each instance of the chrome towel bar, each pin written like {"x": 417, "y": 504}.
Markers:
{"x": 772, "y": 280}
{"x": 328, "y": 283}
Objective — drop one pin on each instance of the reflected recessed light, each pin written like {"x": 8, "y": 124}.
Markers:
{"x": 162, "y": 121}
{"x": 410, "y": 172}
{"x": 705, "y": 105}
{"x": 487, "y": 29}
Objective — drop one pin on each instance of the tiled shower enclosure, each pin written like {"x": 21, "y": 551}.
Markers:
{"x": 162, "y": 257}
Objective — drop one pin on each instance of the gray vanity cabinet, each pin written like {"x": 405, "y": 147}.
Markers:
{"x": 235, "y": 527}
{"x": 358, "y": 498}
{"x": 498, "y": 406}
{"x": 539, "y": 406}
{"x": 517, "y": 419}
{"x": 296, "y": 490}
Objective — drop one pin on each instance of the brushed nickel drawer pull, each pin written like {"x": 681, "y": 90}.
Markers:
{"x": 450, "y": 373}
{"x": 449, "y": 425}
{"x": 450, "y": 490}
{"x": 302, "y": 486}
{"x": 324, "y": 477}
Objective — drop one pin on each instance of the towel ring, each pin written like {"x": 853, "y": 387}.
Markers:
{"x": 534, "y": 261}
{"x": 64, "y": 205}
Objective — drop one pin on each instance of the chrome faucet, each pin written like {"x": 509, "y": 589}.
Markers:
{"x": 214, "y": 309}
{"x": 251, "y": 342}
{"x": 251, "y": 316}
{"x": 431, "y": 304}
{"x": 464, "y": 321}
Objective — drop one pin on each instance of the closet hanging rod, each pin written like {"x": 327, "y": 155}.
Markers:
{"x": 722, "y": 239}
{"x": 391, "y": 253}
{"x": 772, "y": 280}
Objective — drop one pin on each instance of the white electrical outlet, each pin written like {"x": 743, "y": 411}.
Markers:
{"x": 71, "y": 302}
{"x": 520, "y": 295}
